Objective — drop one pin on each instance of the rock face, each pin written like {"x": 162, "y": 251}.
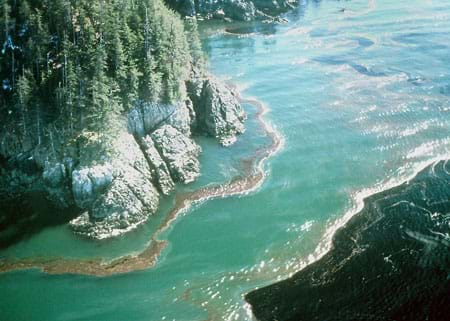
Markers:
{"x": 160, "y": 171}
{"x": 242, "y": 10}
{"x": 178, "y": 152}
{"x": 390, "y": 262}
{"x": 219, "y": 112}
{"x": 117, "y": 195}
{"x": 89, "y": 182}
{"x": 116, "y": 189}
{"x": 55, "y": 180}
{"x": 147, "y": 117}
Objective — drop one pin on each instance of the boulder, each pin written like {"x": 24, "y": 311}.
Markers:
{"x": 56, "y": 184}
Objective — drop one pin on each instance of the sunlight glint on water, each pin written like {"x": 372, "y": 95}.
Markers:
{"x": 362, "y": 98}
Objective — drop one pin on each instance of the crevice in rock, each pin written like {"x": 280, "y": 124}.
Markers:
{"x": 136, "y": 195}
{"x": 153, "y": 179}
{"x": 165, "y": 160}
{"x": 163, "y": 121}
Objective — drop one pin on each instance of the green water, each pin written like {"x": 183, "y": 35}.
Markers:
{"x": 362, "y": 99}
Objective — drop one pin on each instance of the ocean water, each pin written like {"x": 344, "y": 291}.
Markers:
{"x": 360, "y": 92}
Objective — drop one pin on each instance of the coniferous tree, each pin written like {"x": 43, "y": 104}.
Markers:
{"x": 151, "y": 80}
{"x": 5, "y": 20}
{"x": 195, "y": 46}
{"x": 132, "y": 86}
{"x": 67, "y": 66}
{"x": 99, "y": 89}
{"x": 24, "y": 94}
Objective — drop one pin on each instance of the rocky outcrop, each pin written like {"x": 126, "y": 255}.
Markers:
{"x": 89, "y": 182}
{"x": 56, "y": 182}
{"x": 117, "y": 195}
{"x": 124, "y": 192}
{"x": 147, "y": 117}
{"x": 179, "y": 152}
{"x": 115, "y": 188}
{"x": 242, "y": 10}
{"x": 160, "y": 171}
{"x": 219, "y": 113}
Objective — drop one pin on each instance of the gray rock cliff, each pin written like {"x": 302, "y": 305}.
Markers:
{"x": 242, "y": 10}
{"x": 118, "y": 189}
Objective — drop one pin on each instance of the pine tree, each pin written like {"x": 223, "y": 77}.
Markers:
{"x": 151, "y": 80}
{"x": 132, "y": 86}
{"x": 82, "y": 63}
{"x": 24, "y": 14}
{"x": 5, "y": 20}
{"x": 24, "y": 94}
{"x": 195, "y": 46}
{"x": 39, "y": 42}
{"x": 99, "y": 90}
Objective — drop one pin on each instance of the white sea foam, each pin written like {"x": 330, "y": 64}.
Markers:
{"x": 299, "y": 31}
{"x": 428, "y": 148}
{"x": 300, "y": 61}
{"x": 405, "y": 174}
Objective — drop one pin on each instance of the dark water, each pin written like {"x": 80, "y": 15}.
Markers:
{"x": 390, "y": 262}
{"x": 25, "y": 215}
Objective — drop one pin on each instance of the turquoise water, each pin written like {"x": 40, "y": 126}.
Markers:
{"x": 362, "y": 99}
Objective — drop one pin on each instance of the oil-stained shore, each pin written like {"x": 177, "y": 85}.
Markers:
{"x": 391, "y": 261}
{"x": 249, "y": 179}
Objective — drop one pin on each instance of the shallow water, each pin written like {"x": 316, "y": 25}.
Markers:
{"x": 362, "y": 99}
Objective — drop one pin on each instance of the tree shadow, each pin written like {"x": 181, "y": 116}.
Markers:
{"x": 22, "y": 217}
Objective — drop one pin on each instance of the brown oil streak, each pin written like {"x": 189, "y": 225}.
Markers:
{"x": 252, "y": 175}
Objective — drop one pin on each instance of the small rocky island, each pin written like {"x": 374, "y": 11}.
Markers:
{"x": 389, "y": 262}
{"x": 99, "y": 108}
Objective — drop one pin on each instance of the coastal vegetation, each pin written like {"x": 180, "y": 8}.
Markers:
{"x": 99, "y": 100}
{"x": 70, "y": 67}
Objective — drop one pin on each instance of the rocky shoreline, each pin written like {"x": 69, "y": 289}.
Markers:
{"x": 249, "y": 179}
{"x": 389, "y": 262}
{"x": 238, "y": 10}
{"x": 152, "y": 151}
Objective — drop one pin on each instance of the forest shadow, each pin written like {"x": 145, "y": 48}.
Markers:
{"x": 24, "y": 216}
